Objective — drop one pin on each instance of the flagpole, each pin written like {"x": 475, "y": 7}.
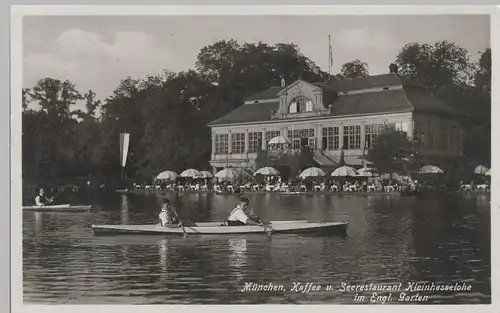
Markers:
{"x": 329, "y": 67}
{"x": 329, "y": 57}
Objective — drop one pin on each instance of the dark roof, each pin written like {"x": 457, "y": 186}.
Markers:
{"x": 270, "y": 93}
{"x": 371, "y": 102}
{"x": 254, "y": 112}
{"x": 410, "y": 98}
{"x": 362, "y": 83}
{"x": 424, "y": 102}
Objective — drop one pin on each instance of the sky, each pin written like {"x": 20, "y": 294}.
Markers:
{"x": 96, "y": 52}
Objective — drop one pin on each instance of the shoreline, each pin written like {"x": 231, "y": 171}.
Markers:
{"x": 282, "y": 193}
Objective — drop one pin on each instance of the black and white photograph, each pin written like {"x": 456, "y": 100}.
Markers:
{"x": 272, "y": 158}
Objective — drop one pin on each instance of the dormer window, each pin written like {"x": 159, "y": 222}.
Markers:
{"x": 300, "y": 104}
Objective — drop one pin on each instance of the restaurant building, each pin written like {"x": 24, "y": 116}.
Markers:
{"x": 336, "y": 116}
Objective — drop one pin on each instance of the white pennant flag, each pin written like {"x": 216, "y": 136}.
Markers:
{"x": 124, "y": 143}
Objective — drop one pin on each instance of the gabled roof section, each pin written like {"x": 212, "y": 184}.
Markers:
{"x": 299, "y": 81}
{"x": 254, "y": 112}
{"x": 389, "y": 101}
{"x": 270, "y": 93}
{"x": 367, "y": 82}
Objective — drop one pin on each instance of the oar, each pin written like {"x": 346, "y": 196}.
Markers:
{"x": 268, "y": 229}
{"x": 181, "y": 223}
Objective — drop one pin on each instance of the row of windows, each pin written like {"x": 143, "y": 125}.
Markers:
{"x": 331, "y": 139}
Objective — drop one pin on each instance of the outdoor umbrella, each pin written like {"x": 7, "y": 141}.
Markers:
{"x": 344, "y": 171}
{"x": 166, "y": 175}
{"x": 366, "y": 171}
{"x": 267, "y": 171}
{"x": 227, "y": 174}
{"x": 481, "y": 170}
{"x": 312, "y": 172}
{"x": 191, "y": 173}
{"x": 206, "y": 174}
{"x": 430, "y": 169}
{"x": 279, "y": 140}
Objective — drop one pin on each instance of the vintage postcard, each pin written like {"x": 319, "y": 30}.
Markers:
{"x": 252, "y": 155}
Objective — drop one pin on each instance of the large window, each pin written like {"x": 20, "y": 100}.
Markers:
{"x": 300, "y": 104}
{"x": 238, "y": 143}
{"x": 331, "y": 139}
{"x": 371, "y": 133}
{"x": 254, "y": 141}
{"x": 420, "y": 135}
{"x": 402, "y": 127}
{"x": 444, "y": 137}
{"x": 221, "y": 143}
{"x": 296, "y": 143}
{"x": 429, "y": 144}
{"x": 352, "y": 137}
{"x": 271, "y": 134}
{"x": 443, "y": 141}
{"x": 311, "y": 142}
{"x": 301, "y": 133}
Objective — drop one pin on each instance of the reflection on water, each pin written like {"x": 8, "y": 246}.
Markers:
{"x": 38, "y": 222}
{"x": 238, "y": 256}
{"x": 389, "y": 240}
{"x": 163, "y": 253}
{"x": 124, "y": 209}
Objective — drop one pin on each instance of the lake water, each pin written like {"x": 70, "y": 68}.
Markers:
{"x": 390, "y": 240}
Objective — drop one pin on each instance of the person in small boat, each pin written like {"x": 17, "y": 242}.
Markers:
{"x": 41, "y": 199}
{"x": 168, "y": 215}
{"x": 243, "y": 215}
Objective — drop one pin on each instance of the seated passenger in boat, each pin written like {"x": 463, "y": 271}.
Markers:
{"x": 242, "y": 215}
{"x": 42, "y": 200}
{"x": 168, "y": 215}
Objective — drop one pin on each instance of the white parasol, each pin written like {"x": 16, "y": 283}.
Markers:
{"x": 312, "y": 172}
{"x": 267, "y": 171}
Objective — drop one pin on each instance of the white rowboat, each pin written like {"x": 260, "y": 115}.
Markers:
{"x": 58, "y": 208}
{"x": 216, "y": 228}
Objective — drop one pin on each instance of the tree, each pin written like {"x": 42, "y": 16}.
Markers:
{"x": 306, "y": 158}
{"x": 55, "y": 97}
{"x": 448, "y": 72}
{"x": 262, "y": 159}
{"x": 91, "y": 104}
{"x": 441, "y": 66}
{"x": 392, "y": 151}
{"x": 26, "y": 98}
{"x": 354, "y": 69}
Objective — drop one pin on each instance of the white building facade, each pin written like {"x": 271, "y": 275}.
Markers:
{"x": 334, "y": 116}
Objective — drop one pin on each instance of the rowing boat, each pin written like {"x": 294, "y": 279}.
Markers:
{"x": 217, "y": 228}
{"x": 58, "y": 208}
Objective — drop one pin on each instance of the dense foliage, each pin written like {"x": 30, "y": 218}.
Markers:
{"x": 167, "y": 114}
{"x": 393, "y": 152}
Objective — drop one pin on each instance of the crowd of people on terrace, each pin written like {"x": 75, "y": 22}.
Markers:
{"x": 343, "y": 179}
{"x": 277, "y": 184}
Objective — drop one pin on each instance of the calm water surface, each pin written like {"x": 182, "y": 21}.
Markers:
{"x": 389, "y": 240}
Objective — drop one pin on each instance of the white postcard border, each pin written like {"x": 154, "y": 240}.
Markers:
{"x": 16, "y": 154}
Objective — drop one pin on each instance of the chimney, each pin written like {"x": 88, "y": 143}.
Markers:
{"x": 393, "y": 69}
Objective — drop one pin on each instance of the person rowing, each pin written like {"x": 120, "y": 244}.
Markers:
{"x": 169, "y": 216}
{"x": 242, "y": 215}
{"x": 41, "y": 200}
